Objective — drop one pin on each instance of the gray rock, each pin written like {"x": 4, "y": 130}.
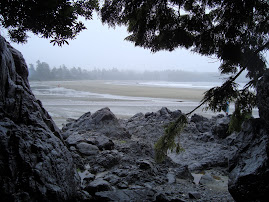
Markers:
{"x": 142, "y": 195}
{"x": 199, "y": 155}
{"x": 249, "y": 175}
{"x": 171, "y": 178}
{"x": 104, "y": 143}
{"x": 144, "y": 164}
{"x": 206, "y": 179}
{"x": 98, "y": 185}
{"x": 194, "y": 195}
{"x": 103, "y": 121}
{"x": 221, "y": 127}
{"x": 164, "y": 111}
{"x": 202, "y": 124}
{"x": 35, "y": 163}
{"x": 74, "y": 139}
{"x": 108, "y": 159}
{"x": 112, "y": 179}
{"x": 87, "y": 149}
{"x": 183, "y": 172}
{"x": 198, "y": 118}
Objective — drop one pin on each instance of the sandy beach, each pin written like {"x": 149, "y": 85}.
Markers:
{"x": 110, "y": 87}
{"x": 71, "y": 99}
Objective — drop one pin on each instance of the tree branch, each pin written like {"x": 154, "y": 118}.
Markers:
{"x": 231, "y": 79}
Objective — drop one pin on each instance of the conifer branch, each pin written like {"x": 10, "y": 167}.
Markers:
{"x": 231, "y": 79}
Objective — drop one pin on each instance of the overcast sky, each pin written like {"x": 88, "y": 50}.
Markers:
{"x": 103, "y": 47}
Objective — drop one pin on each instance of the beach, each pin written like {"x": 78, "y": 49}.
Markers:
{"x": 71, "y": 99}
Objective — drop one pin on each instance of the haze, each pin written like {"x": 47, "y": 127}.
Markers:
{"x": 103, "y": 47}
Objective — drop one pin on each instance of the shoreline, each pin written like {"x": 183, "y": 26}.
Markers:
{"x": 108, "y": 87}
{"x": 71, "y": 99}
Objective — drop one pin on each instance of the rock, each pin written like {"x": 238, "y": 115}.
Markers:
{"x": 171, "y": 178}
{"x": 112, "y": 179}
{"x": 144, "y": 164}
{"x": 203, "y": 124}
{"x": 249, "y": 172}
{"x": 128, "y": 164}
{"x": 194, "y": 195}
{"x": 108, "y": 159}
{"x": 164, "y": 111}
{"x": 201, "y": 154}
{"x": 35, "y": 164}
{"x": 221, "y": 127}
{"x": 104, "y": 143}
{"x": 103, "y": 121}
{"x": 87, "y": 149}
{"x": 206, "y": 179}
{"x": 183, "y": 172}
{"x": 142, "y": 195}
{"x": 198, "y": 118}
{"x": 122, "y": 185}
{"x": 86, "y": 177}
{"x": 74, "y": 139}
{"x": 98, "y": 185}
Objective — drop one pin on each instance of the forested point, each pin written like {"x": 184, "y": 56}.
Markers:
{"x": 43, "y": 72}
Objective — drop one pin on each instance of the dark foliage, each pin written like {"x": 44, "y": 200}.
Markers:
{"x": 236, "y": 32}
{"x": 57, "y": 20}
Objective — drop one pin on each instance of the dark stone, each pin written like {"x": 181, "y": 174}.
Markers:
{"x": 161, "y": 197}
{"x": 194, "y": 195}
{"x": 87, "y": 149}
{"x": 198, "y": 118}
{"x": 74, "y": 139}
{"x": 121, "y": 195}
{"x": 221, "y": 127}
{"x": 249, "y": 173}
{"x": 164, "y": 111}
{"x": 103, "y": 121}
{"x": 108, "y": 159}
{"x": 112, "y": 179}
{"x": 183, "y": 173}
{"x": 35, "y": 164}
{"x": 206, "y": 179}
{"x": 97, "y": 186}
{"x": 104, "y": 143}
{"x": 144, "y": 164}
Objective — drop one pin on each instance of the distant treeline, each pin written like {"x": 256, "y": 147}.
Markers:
{"x": 43, "y": 72}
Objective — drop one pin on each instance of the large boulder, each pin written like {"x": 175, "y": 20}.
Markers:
{"x": 35, "y": 164}
{"x": 221, "y": 127}
{"x": 249, "y": 174}
{"x": 103, "y": 121}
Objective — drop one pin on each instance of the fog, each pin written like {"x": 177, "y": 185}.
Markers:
{"x": 41, "y": 71}
{"x": 102, "y": 47}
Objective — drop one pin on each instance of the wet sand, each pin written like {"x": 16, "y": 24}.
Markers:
{"x": 71, "y": 99}
{"x": 107, "y": 87}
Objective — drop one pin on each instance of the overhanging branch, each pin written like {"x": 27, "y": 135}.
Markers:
{"x": 231, "y": 79}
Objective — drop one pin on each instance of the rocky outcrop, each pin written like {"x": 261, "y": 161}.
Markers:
{"x": 249, "y": 174}
{"x": 103, "y": 121}
{"x": 249, "y": 170}
{"x": 35, "y": 164}
{"x": 120, "y": 164}
{"x": 204, "y": 145}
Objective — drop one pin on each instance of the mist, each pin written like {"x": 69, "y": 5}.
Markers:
{"x": 42, "y": 71}
{"x": 102, "y": 47}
